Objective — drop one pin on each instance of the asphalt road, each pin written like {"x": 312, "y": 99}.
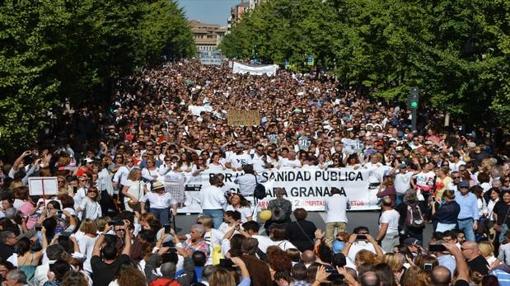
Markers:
{"x": 356, "y": 218}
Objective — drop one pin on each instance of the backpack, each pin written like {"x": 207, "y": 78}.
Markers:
{"x": 163, "y": 281}
{"x": 414, "y": 217}
{"x": 260, "y": 191}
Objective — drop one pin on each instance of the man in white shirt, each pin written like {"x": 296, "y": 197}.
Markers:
{"x": 290, "y": 161}
{"x": 402, "y": 182}
{"x": 388, "y": 226}
{"x": 251, "y": 229}
{"x": 248, "y": 181}
{"x": 212, "y": 200}
{"x": 336, "y": 214}
{"x": 357, "y": 242}
{"x": 455, "y": 162}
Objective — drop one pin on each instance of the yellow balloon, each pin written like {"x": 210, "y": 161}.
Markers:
{"x": 265, "y": 215}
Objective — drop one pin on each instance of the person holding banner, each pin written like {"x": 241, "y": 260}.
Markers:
{"x": 213, "y": 201}
{"x": 248, "y": 181}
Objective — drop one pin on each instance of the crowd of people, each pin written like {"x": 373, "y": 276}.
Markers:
{"x": 112, "y": 219}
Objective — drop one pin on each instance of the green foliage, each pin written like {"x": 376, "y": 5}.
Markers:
{"x": 456, "y": 51}
{"x": 56, "y": 50}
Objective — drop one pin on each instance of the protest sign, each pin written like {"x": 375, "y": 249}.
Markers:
{"x": 39, "y": 186}
{"x": 306, "y": 187}
{"x": 238, "y": 117}
{"x": 269, "y": 70}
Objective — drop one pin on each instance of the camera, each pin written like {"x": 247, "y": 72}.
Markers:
{"x": 168, "y": 228}
{"x": 361, "y": 237}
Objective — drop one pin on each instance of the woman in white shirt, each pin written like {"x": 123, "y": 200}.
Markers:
{"x": 89, "y": 206}
{"x": 388, "y": 226}
{"x": 133, "y": 190}
{"x": 150, "y": 173}
{"x": 160, "y": 201}
{"x": 239, "y": 203}
{"x": 86, "y": 238}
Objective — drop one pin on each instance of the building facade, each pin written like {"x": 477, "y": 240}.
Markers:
{"x": 207, "y": 37}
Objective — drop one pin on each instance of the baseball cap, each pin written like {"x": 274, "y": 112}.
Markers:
{"x": 464, "y": 184}
{"x": 338, "y": 246}
{"x": 411, "y": 241}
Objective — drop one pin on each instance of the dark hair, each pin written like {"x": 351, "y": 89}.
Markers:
{"x": 54, "y": 204}
{"x": 335, "y": 191}
{"x": 60, "y": 268}
{"x": 233, "y": 214}
{"x": 299, "y": 271}
{"x": 23, "y": 245}
{"x": 50, "y": 224}
{"x": 300, "y": 214}
{"x": 385, "y": 274}
{"x": 251, "y": 225}
{"x": 109, "y": 252}
{"x": 248, "y": 169}
{"x": 278, "y": 233}
{"x": 199, "y": 258}
{"x": 236, "y": 242}
{"x": 359, "y": 229}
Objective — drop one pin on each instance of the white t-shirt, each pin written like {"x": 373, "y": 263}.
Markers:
{"x": 245, "y": 212}
{"x": 357, "y": 246}
{"x": 158, "y": 201}
{"x": 264, "y": 242}
{"x": 336, "y": 208}
{"x": 425, "y": 180}
{"x": 403, "y": 182}
{"x": 390, "y": 217}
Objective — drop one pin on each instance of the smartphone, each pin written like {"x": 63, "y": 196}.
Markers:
{"x": 226, "y": 263}
{"x": 427, "y": 266}
{"x": 437, "y": 248}
{"x": 361, "y": 236}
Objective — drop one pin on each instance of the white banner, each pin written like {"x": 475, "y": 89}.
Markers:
{"x": 269, "y": 70}
{"x": 306, "y": 187}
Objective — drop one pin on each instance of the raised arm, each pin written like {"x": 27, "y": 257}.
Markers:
{"x": 127, "y": 240}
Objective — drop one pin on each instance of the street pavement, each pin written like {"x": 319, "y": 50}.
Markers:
{"x": 356, "y": 218}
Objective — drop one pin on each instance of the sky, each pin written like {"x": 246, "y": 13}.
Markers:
{"x": 208, "y": 11}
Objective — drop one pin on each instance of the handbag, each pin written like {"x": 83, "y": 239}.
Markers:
{"x": 136, "y": 206}
{"x": 260, "y": 191}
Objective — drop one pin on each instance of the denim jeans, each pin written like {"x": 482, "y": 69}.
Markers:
{"x": 161, "y": 215}
{"x": 217, "y": 216}
{"x": 467, "y": 227}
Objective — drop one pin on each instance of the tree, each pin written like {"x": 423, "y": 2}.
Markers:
{"x": 57, "y": 51}
{"x": 456, "y": 52}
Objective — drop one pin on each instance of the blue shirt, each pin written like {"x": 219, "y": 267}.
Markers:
{"x": 468, "y": 205}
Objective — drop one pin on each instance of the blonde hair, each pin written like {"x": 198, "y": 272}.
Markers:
{"x": 486, "y": 248}
{"x": 88, "y": 226}
{"x": 365, "y": 257}
{"x": 394, "y": 260}
{"x": 133, "y": 173}
{"x": 222, "y": 277}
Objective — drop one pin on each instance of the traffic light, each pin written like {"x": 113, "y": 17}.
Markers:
{"x": 413, "y": 98}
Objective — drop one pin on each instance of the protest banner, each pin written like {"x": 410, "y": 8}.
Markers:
{"x": 239, "y": 117}
{"x": 41, "y": 186}
{"x": 306, "y": 187}
{"x": 269, "y": 70}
